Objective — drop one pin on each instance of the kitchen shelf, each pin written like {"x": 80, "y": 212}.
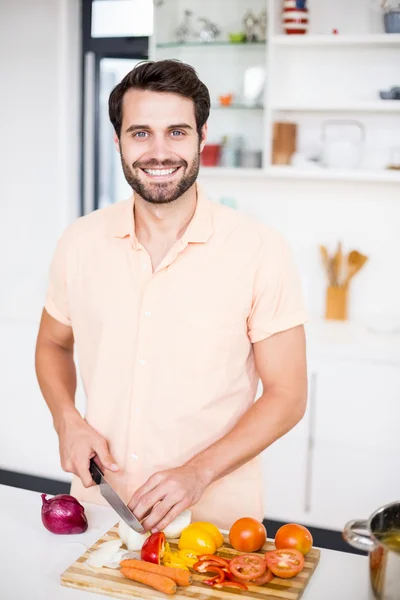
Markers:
{"x": 209, "y": 44}
{"x": 383, "y": 106}
{"x": 380, "y": 39}
{"x": 317, "y": 173}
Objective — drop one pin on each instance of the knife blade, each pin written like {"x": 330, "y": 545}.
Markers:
{"x": 113, "y": 498}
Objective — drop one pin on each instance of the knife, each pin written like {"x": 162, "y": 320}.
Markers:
{"x": 113, "y": 499}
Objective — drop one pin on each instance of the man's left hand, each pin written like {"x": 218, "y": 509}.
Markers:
{"x": 165, "y": 495}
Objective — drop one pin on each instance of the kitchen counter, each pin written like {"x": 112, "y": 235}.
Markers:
{"x": 32, "y": 558}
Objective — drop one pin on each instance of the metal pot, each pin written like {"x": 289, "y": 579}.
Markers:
{"x": 382, "y": 541}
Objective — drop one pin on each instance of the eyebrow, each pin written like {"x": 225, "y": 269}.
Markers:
{"x": 140, "y": 127}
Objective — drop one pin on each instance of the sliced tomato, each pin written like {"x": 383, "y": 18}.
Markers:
{"x": 247, "y": 566}
{"x": 263, "y": 579}
{"x": 285, "y": 563}
{"x": 213, "y": 558}
{"x": 218, "y": 579}
{"x": 231, "y": 584}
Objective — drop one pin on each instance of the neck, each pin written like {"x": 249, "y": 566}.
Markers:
{"x": 168, "y": 221}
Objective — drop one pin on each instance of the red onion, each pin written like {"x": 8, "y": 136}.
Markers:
{"x": 63, "y": 514}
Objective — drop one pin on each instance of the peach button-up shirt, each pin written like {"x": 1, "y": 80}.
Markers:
{"x": 166, "y": 357}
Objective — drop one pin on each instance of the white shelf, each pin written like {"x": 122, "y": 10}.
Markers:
{"x": 320, "y": 173}
{"x": 317, "y": 173}
{"x": 383, "y": 106}
{"x": 380, "y": 39}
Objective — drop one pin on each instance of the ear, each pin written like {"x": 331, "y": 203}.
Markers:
{"x": 204, "y": 132}
{"x": 116, "y": 143}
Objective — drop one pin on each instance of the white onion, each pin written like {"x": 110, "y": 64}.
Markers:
{"x": 104, "y": 554}
{"x": 132, "y": 540}
{"x": 175, "y": 528}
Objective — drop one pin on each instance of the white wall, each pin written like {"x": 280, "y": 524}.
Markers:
{"x": 365, "y": 216}
{"x": 39, "y": 69}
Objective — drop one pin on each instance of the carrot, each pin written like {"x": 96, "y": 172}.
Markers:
{"x": 180, "y": 576}
{"x": 158, "y": 582}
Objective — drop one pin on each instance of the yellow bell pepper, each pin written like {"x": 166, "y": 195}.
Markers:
{"x": 189, "y": 556}
{"x": 212, "y": 530}
{"x": 197, "y": 539}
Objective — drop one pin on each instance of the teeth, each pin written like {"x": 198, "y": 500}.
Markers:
{"x": 160, "y": 172}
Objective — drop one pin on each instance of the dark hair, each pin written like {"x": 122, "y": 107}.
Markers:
{"x": 171, "y": 76}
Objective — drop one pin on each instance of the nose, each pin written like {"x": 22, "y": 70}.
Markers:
{"x": 159, "y": 149}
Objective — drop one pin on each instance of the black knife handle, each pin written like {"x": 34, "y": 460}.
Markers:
{"x": 95, "y": 472}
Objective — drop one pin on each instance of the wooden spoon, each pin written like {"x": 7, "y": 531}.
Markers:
{"x": 327, "y": 262}
{"x": 355, "y": 261}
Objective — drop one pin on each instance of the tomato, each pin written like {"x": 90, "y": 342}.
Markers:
{"x": 231, "y": 584}
{"x": 294, "y": 536}
{"x": 212, "y": 530}
{"x": 266, "y": 578}
{"x": 247, "y": 535}
{"x": 153, "y": 548}
{"x": 285, "y": 563}
{"x": 247, "y": 566}
{"x": 197, "y": 539}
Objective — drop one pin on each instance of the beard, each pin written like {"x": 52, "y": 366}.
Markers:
{"x": 163, "y": 192}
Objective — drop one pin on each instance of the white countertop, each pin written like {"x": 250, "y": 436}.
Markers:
{"x": 32, "y": 558}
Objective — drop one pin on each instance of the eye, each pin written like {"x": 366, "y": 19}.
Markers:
{"x": 177, "y": 133}
{"x": 140, "y": 134}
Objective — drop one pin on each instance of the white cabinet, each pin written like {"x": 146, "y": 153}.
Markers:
{"x": 342, "y": 461}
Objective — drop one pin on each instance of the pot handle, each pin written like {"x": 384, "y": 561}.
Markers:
{"x": 358, "y": 540}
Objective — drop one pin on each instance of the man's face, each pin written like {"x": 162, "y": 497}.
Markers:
{"x": 159, "y": 144}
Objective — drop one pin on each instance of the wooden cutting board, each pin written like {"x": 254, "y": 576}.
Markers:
{"x": 110, "y": 582}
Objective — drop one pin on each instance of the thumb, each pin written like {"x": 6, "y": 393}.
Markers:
{"x": 105, "y": 456}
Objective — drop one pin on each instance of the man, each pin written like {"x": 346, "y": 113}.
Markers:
{"x": 176, "y": 307}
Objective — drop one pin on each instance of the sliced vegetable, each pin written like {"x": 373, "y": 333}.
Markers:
{"x": 205, "y": 565}
{"x": 231, "y": 584}
{"x": 180, "y": 577}
{"x": 285, "y": 563}
{"x": 214, "y": 558}
{"x": 197, "y": 539}
{"x": 175, "y": 528}
{"x": 218, "y": 579}
{"x": 158, "y": 582}
{"x": 247, "y": 566}
{"x": 247, "y": 535}
{"x": 132, "y": 540}
{"x": 188, "y": 556}
{"x": 106, "y": 553}
{"x": 263, "y": 579}
{"x": 295, "y": 536}
{"x": 212, "y": 530}
{"x": 153, "y": 548}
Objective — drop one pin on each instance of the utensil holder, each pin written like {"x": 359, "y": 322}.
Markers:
{"x": 336, "y": 303}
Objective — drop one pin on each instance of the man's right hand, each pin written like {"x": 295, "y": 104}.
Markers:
{"x": 79, "y": 442}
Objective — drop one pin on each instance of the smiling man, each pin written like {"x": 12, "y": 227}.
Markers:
{"x": 177, "y": 307}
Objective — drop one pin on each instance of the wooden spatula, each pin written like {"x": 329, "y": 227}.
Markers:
{"x": 355, "y": 262}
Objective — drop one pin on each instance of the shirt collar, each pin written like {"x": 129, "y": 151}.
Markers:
{"x": 199, "y": 230}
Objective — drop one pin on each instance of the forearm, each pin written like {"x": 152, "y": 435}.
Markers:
{"x": 270, "y": 417}
{"x": 56, "y": 374}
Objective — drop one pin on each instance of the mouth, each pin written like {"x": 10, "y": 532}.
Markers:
{"x": 161, "y": 174}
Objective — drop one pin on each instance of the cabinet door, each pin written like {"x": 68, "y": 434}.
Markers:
{"x": 286, "y": 469}
{"x": 356, "y": 454}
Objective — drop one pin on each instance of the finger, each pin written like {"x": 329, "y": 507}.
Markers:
{"x": 147, "y": 487}
{"x": 82, "y": 470}
{"x": 175, "y": 510}
{"x": 106, "y": 459}
{"x": 148, "y": 502}
{"x": 159, "y": 511}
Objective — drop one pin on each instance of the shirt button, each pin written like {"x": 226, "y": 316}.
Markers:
{"x": 137, "y": 409}
{"x": 142, "y": 362}
{"x": 144, "y": 266}
{"x": 147, "y": 314}
{"x": 134, "y": 456}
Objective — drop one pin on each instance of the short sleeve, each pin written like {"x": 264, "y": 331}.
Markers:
{"x": 278, "y": 302}
{"x": 56, "y": 302}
